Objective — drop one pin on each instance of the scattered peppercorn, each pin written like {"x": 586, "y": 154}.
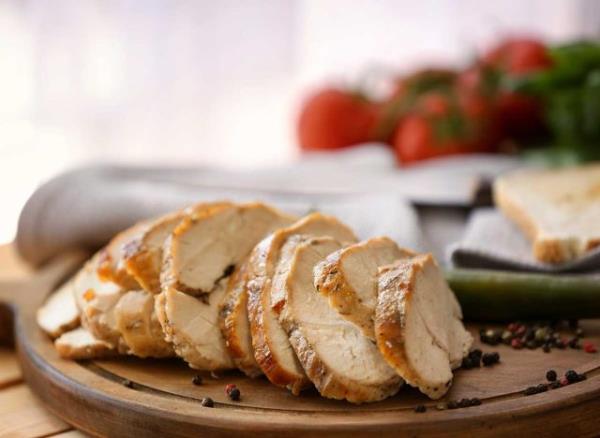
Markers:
{"x": 475, "y": 402}
{"x": 467, "y": 363}
{"x": 546, "y": 348}
{"x": 572, "y": 376}
{"x": 420, "y": 408}
{"x": 234, "y": 394}
{"x": 551, "y": 375}
{"x": 441, "y": 406}
{"x": 127, "y": 383}
{"x": 229, "y": 387}
{"x": 475, "y": 354}
{"x": 588, "y": 347}
{"x": 516, "y": 344}
{"x": 452, "y": 404}
{"x": 207, "y": 402}
{"x": 542, "y": 387}
{"x": 197, "y": 380}
{"x": 563, "y": 381}
{"x": 530, "y": 390}
{"x": 489, "y": 359}
{"x": 464, "y": 403}
{"x": 555, "y": 385}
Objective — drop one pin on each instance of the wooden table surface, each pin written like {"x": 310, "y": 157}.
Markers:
{"x": 21, "y": 413}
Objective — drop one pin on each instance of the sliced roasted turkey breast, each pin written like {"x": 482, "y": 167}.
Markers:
{"x": 79, "y": 344}
{"x": 143, "y": 254}
{"x": 418, "y": 324}
{"x": 111, "y": 259}
{"x": 272, "y": 349}
{"x": 211, "y": 240}
{"x": 336, "y": 356}
{"x": 191, "y": 325}
{"x": 200, "y": 255}
{"x": 96, "y": 299}
{"x": 234, "y": 324}
{"x": 59, "y": 313}
{"x": 348, "y": 278}
{"x": 138, "y": 324}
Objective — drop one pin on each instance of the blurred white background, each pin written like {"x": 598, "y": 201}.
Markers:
{"x": 213, "y": 82}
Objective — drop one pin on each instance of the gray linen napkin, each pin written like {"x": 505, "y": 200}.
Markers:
{"x": 491, "y": 241}
{"x": 86, "y": 207}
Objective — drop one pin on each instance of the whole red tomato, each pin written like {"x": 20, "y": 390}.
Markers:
{"x": 334, "y": 118}
{"x": 519, "y": 56}
{"x": 516, "y": 115}
{"x": 445, "y": 123}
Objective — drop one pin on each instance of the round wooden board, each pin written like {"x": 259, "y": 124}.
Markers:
{"x": 163, "y": 402}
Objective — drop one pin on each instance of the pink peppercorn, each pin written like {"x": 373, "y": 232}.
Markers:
{"x": 588, "y": 347}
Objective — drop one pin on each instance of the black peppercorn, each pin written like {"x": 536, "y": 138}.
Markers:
{"x": 551, "y": 375}
{"x": 464, "y": 403}
{"x": 555, "y": 385}
{"x": 452, "y": 404}
{"x": 572, "y": 376}
{"x": 420, "y": 408}
{"x": 489, "y": 359}
{"x": 475, "y": 401}
{"x": 127, "y": 383}
{"x": 207, "y": 402}
{"x": 467, "y": 363}
{"x": 234, "y": 394}
{"x": 197, "y": 380}
{"x": 546, "y": 348}
{"x": 542, "y": 387}
{"x": 475, "y": 357}
{"x": 530, "y": 390}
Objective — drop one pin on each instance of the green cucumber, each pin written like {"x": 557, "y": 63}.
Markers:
{"x": 507, "y": 296}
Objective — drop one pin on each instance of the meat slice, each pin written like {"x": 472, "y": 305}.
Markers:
{"x": 200, "y": 255}
{"x": 96, "y": 299}
{"x": 143, "y": 254}
{"x": 59, "y": 313}
{"x": 348, "y": 278}
{"x": 191, "y": 325}
{"x": 418, "y": 324}
{"x": 111, "y": 259}
{"x": 210, "y": 241}
{"x": 138, "y": 325}
{"x": 272, "y": 349}
{"x": 80, "y": 344}
{"x": 336, "y": 356}
{"x": 234, "y": 324}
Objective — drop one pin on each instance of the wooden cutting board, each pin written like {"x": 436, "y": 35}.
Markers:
{"x": 162, "y": 401}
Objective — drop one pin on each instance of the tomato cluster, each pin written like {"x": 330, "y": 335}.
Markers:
{"x": 434, "y": 112}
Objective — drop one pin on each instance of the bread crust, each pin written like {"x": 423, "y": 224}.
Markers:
{"x": 547, "y": 249}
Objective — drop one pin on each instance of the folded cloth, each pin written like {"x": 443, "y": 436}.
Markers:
{"x": 491, "y": 241}
{"x": 87, "y": 206}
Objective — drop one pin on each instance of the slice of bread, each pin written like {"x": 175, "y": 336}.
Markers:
{"x": 559, "y": 210}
